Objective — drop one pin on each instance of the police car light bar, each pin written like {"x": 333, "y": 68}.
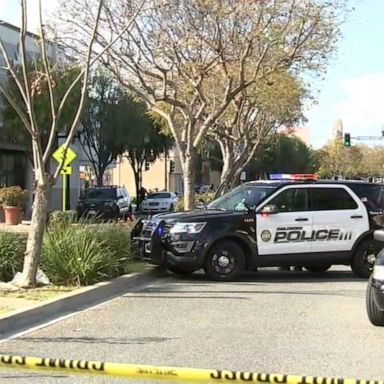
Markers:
{"x": 292, "y": 176}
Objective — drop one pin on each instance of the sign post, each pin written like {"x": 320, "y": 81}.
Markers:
{"x": 64, "y": 156}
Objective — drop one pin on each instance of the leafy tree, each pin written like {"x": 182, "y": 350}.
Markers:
{"x": 282, "y": 153}
{"x": 29, "y": 87}
{"x": 144, "y": 137}
{"x": 179, "y": 50}
{"x": 102, "y": 134}
{"x": 373, "y": 160}
{"x": 62, "y": 77}
{"x": 335, "y": 159}
{"x": 256, "y": 112}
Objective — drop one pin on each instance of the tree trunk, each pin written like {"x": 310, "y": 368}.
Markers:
{"x": 35, "y": 236}
{"x": 189, "y": 203}
{"x": 226, "y": 173}
{"x": 100, "y": 176}
{"x": 136, "y": 174}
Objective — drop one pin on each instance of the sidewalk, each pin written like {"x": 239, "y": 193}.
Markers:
{"x": 12, "y": 298}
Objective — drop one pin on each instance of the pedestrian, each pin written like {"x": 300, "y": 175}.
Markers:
{"x": 142, "y": 194}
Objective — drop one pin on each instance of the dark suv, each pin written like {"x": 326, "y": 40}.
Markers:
{"x": 105, "y": 203}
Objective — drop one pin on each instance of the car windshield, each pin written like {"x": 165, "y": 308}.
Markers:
{"x": 94, "y": 193}
{"x": 161, "y": 195}
{"x": 242, "y": 197}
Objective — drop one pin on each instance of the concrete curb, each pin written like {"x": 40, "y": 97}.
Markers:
{"x": 20, "y": 320}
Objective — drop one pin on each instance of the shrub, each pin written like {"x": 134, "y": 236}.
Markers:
{"x": 115, "y": 240}
{"x": 62, "y": 217}
{"x": 206, "y": 197}
{"x": 13, "y": 197}
{"x": 84, "y": 254}
{"x": 12, "y": 248}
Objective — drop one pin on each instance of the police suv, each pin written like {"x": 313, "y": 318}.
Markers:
{"x": 290, "y": 220}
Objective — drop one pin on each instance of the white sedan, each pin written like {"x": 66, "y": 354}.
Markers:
{"x": 159, "y": 202}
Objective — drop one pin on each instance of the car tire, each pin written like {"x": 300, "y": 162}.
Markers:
{"x": 225, "y": 261}
{"x": 375, "y": 316}
{"x": 171, "y": 208}
{"x": 180, "y": 271}
{"x": 362, "y": 260}
{"x": 318, "y": 268}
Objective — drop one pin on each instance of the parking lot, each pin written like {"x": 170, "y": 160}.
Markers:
{"x": 268, "y": 321}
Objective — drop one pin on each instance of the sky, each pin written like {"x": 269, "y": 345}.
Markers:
{"x": 353, "y": 88}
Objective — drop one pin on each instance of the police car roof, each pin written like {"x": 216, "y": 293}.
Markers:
{"x": 279, "y": 183}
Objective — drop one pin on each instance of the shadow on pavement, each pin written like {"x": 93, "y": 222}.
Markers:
{"x": 274, "y": 276}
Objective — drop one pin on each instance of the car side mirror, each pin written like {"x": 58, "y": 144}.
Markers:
{"x": 201, "y": 204}
{"x": 270, "y": 209}
{"x": 379, "y": 235}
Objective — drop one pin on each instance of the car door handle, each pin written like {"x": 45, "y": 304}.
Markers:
{"x": 356, "y": 217}
{"x": 301, "y": 219}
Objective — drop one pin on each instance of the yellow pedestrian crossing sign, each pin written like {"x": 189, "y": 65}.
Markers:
{"x": 66, "y": 171}
{"x": 64, "y": 156}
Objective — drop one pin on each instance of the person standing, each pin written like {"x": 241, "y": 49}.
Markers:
{"x": 142, "y": 194}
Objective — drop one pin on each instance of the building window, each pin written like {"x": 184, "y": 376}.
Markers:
{"x": 12, "y": 165}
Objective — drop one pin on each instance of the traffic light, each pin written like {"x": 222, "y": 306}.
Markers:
{"x": 171, "y": 166}
{"x": 147, "y": 165}
{"x": 347, "y": 139}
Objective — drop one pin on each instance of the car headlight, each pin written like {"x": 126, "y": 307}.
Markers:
{"x": 187, "y": 228}
{"x": 164, "y": 203}
{"x": 378, "y": 272}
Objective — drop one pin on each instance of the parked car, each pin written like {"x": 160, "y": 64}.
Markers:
{"x": 375, "y": 288}
{"x": 109, "y": 203}
{"x": 159, "y": 202}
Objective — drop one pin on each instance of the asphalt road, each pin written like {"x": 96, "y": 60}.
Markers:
{"x": 270, "y": 321}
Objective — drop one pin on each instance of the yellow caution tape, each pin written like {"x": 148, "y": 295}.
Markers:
{"x": 163, "y": 373}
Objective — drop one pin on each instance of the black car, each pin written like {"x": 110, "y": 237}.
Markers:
{"x": 312, "y": 224}
{"x": 375, "y": 288}
{"x": 109, "y": 203}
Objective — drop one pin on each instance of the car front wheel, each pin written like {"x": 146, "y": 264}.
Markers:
{"x": 225, "y": 261}
{"x": 365, "y": 256}
{"x": 375, "y": 316}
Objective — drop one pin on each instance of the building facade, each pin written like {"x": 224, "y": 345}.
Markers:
{"x": 161, "y": 175}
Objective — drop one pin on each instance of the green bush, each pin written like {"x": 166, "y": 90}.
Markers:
{"x": 116, "y": 240}
{"x": 206, "y": 197}
{"x": 12, "y": 247}
{"x": 84, "y": 254}
{"x": 62, "y": 217}
{"x": 13, "y": 197}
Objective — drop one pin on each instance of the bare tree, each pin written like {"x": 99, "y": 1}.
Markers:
{"x": 252, "y": 115}
{"x": 28, "y": 87}
{"x": 178, "y": 50}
